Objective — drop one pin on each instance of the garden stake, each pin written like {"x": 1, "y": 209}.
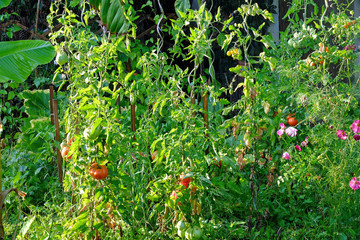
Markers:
{"x": 206, "y": 119}
{"x": 0, "y": 165}
{"x": 57, "y": 138}
{"x": 206, "y": 115}
{"x": 52, "y": 113}
{"x": 52, "y": 104}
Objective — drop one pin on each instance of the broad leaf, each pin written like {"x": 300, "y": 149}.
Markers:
{"x": 36, "y": 103}
{"x": 182, "y": 6}
{"x": 19, "y": 58}
{"x": 4, "y": 3}
{"x": 114, "y": 14}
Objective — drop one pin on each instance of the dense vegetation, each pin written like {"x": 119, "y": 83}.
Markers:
{"x": 153, "y": 148}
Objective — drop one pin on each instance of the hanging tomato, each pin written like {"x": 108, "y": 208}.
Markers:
{"x": 98, "y": 171}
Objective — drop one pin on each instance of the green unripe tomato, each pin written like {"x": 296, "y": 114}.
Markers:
{"x": 181, "y": 225}
{"x": 193, "y": 233}
{"x": 181, "y": 233}
{"x": 91, "y": 133}
{"x": 61, "y": 58}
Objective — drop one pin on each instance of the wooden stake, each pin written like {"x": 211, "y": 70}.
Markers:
{"x": 133, "y": 126}
{"x": 57, "y": 138}
{"x": 206, "y": 115}
{"x": 52, "y": 104}
{"x": 0, "y": 166}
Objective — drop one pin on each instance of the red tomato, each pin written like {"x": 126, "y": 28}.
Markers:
{"x": 64, "y": 153}
{"x": 292, "y": 121}
{"x": 98, "y": 171}
{"x": 185, "y": 182}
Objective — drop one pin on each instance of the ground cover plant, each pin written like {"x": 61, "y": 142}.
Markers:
{"x": 153, "y": 150}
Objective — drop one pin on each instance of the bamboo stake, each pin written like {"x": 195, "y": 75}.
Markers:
{"x": 57, "y": 138}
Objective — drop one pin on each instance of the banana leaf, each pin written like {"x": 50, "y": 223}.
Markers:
{"x": 19, "y": 58}
{"x": 4, "y": 3}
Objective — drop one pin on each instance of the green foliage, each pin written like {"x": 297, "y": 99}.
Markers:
{"x": 135, "y": 108}
{"x": 4, "y": 3}
{"x": 19, "y": 58}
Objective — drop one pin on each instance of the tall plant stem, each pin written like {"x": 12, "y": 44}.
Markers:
{"x": 132, "y": 103}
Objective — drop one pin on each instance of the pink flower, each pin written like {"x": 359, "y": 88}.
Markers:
{"x": 286, "y": 155}
{"x": 305, "y": 142}
{"x": 298, "y": 148}
{"x": 280, "y": 132}
{"x": 331, "y": 127}
{"x": 356, "y": 137}
{"x": 356, "y": 126}
{"x": 354, "y": 184}
{"x": 291, "y": 131}
{"x": 352, "y": 47}
{"x": 341, "y": 134}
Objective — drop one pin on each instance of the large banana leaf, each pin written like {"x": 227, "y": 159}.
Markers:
{"x": 19, "y": 58}
{"x": 4, "y": 3}
{"x": 114, "y": 15}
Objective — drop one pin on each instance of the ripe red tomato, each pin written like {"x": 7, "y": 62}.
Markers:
{"x": 292, "y": 121}
{"x": 71, "y": 140}
{"x": 185, "y": 182}
{"x": 98, "y": 171}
